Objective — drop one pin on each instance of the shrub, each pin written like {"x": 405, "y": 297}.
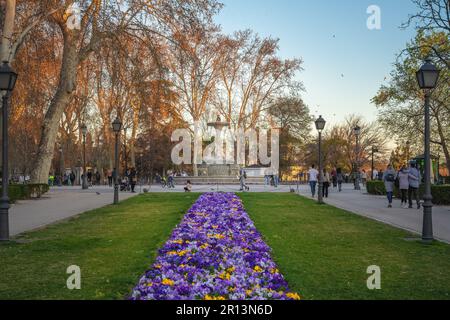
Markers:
{"x": 376, "y": 188}
{"x": 26, "y": 191}
{"x": 440, "y": 193}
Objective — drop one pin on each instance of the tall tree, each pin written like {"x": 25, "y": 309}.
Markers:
{"x": 401, "y": 103}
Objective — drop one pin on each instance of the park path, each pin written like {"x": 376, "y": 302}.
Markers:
{"x": 375, "y": 207}
{"x": 57, "y": 205}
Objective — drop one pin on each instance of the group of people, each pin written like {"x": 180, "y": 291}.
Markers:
{"x": 169, "y": 181}
{"x": 68, "y": 179}
{"x": 407, "y": 179}
{"x": 166, "y": 182}
{"x": 129, "y": 180}
{"x": 335, "y": 178}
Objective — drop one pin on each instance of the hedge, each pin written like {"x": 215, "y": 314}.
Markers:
{"x": 26, "y": 191}
{"x": 441, "y": 193}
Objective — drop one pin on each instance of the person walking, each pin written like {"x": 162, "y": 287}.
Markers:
{"x": 98, "y": 178}
{"x": 380, "y": 175}
{"x": 389, "y": 177}
{"x": 364, "y": 178}
{"x": 89, "y": 178}
{"x": 313, "y": 175}
{"x": 242, "y": 178}
{"x": 72, "y": 179}
{"x": 414, "y": 183}
{"x": 110, "y": 178}
{"x": 133, "y": 179}
{"x": 340, "y": 178}
{"x": 403, "y": 181}
{"x": 171, "y": 179}
{"x": 375, "y": 175}
{"x": 334, "y": 178}
{"x": 326, "y": 183}
{"x": 276, "y": 180}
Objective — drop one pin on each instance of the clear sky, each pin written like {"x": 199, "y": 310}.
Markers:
{"x": 332, "y": 38}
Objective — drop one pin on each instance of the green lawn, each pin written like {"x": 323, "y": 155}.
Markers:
{"x": 113, "y": 247}
{"x": 324, "y": 252}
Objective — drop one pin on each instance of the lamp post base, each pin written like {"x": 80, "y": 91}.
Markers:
{"x": 4, "y": 219}
{"x": 116, "y": 194}
{"x": 427, "y": 233}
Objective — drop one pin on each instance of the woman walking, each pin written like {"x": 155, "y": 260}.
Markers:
{"x": 326, "y": 183}
{"x": 403, "y": 178}
{"x": 389, "y": 177}
{"x": 340, "y": 178}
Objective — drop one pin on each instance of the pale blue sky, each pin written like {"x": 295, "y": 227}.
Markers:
{"x": 306, "y": 29}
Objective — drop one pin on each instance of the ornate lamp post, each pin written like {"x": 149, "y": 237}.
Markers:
{"x": 320, "y": 125}
{"x": 8, "y": 79}
{"x": 84, "y": 132}
{"x": 117, "y": 126}
{"x": 357, "y": 132}
{"x": 374, "y": 150}
{"x": 427, "y": 78}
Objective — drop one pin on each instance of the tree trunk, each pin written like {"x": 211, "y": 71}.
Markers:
{"x": 66, "y": 86}
{"x": 7, "y": 30}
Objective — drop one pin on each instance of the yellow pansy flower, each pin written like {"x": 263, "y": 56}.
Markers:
{"x": 168, "y": 282}
{"x": 293, "y": 295}
{"x": 257, "y": 269}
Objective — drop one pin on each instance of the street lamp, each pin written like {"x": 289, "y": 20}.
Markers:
{"x": 427, "y": 78}
{"x": 84, "y": 132}
{"x": 357, "y": 132}
{"x": 320, "y": 125}
{"x": 8, "y": 79}
{"x": 374, "y": 150}
{"x": 117, "y": 126}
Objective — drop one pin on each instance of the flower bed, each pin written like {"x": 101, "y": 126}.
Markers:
{"x": 216, "y": 253}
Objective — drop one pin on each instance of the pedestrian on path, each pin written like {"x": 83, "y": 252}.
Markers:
{"x": 133, "y": 179}
{"x": 334, "y": 178}
{"x": 312, "y": 179}
{"x": 340, "y": 178}
{"x": 389, "y": 177}
{"x": 242, "y": 178}
{"x": 326, "y": 183}
{"x": 374, "y": 175}
{"x": 171, "y": 181}
{"x": 403, "y": 180}
{"x": 364, "y": 178}
{"x": 110, "y": 178}
{"x": 414, "y": 183}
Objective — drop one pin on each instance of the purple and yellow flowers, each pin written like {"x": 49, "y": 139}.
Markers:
{"x": 216, "y": 253}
